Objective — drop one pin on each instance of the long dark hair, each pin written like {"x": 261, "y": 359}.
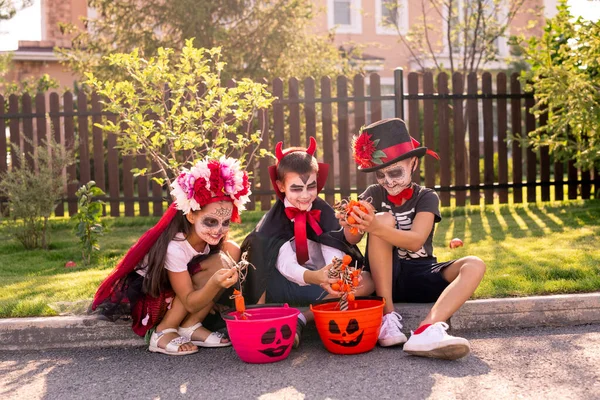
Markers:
{"x": 156, "y": 279}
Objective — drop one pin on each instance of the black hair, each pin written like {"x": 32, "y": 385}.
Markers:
{"x": 299, "y": 162}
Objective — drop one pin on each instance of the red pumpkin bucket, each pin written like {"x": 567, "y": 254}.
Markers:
{"x": 265, "y": 333}
{"x": 351, "y": 331}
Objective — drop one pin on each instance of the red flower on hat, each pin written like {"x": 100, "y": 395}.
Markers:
{"x": 366, "y": 154}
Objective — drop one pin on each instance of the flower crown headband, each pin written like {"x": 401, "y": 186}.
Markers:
{"x": 209, "y": 181}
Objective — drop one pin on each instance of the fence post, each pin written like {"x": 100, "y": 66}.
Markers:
{"x": 399, "y": 92}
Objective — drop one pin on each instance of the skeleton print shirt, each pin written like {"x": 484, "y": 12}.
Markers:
{"x": 422, "y": 200}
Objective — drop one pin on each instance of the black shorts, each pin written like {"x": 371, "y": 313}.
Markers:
{"x": 418, "y": 281}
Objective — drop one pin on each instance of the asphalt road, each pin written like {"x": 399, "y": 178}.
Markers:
{"x": 546, "y": 363}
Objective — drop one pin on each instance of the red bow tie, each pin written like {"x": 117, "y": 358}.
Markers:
{"x": 405, "y": 194}
{"x": 300, "y": 219}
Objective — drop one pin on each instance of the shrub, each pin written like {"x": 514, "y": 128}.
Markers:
{"x": 33, "y": 191}
{"x": 88, "y": 218}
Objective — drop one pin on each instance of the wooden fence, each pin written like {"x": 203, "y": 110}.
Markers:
{"x": 468, "y": 121}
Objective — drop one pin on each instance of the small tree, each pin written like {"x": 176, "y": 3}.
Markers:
{"x": 455, "y": 35}
{"x": 174, "y": 109}
{"x": 565, "y": 78}
{"x": 88, "y": 219}
{"x": 33, "y": 191}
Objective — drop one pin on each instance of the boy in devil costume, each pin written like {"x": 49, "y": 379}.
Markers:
{"x": 293, "y": 244}
{"x": 400, "y": 222}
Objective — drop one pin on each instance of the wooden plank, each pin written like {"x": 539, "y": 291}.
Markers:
{"x": 459, "y": 139}
{"x": 572, "y": 178}
{"x": 55, "y": 127}
{"x": 14, "y": 127}
{"x": 559, "y": 178}
{"x": 359, "y": 122}
{"x": 72, "y": 182}
{"x": 544, "y": 163}
{"x": 488, "y": 138}
{"x": 309, "y": 112}
{"x": 517, "y": 158}
{"x": 502, "y": 145}
{"x": 473, "y": 121}
{"x": 428, "y": 129}
{"x": 414, "y": 124}
{"x": 376, "y": 112}
{"x": 114, "y": 186}
{"x": 128, "y": 191}
{"x": 98, "y": 142}
{"x": 3, "y": 149}
{"x": 142, "y": 185}
{"x": 157, "y": 191}
{"x": 343, "y": 136}
{"x": 278, "y": 118}
{"x": 294, "y": 107}
{"x": 265, "y": 162}
{"x": 28, "y": 143}
{"x": 39, "y": 134}
{"x": 531, "y": 156}
{"x": 444, "y": 127}
{"x": 327, "y": 122}
{"x": 586, "y": 188}
{"x": 84, "y": 147}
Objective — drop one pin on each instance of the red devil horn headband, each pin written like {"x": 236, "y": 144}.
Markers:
{"x": 279, "y": 154}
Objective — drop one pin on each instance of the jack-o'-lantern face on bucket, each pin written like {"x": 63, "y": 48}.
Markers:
{"x": 350, "y": 337}
{"x": 278, "y": 341}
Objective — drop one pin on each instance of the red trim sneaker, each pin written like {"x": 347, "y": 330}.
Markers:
{"x": 434, "y": 342}
{"x": 390, "y": 333}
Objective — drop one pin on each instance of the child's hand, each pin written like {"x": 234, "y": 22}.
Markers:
{"x": 225, "y": 277}
{"x": 326, "y": 281}
{"x": 342, "y": 220}
{"x": 365, "y": 221}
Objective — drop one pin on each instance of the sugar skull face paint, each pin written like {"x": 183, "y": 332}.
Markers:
{"x": 396, "y": 177}
{"x": 300, "y": 190}
{"x": 211, "y": 224}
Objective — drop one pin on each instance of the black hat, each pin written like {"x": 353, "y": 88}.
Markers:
{"x": 385, "y": 143}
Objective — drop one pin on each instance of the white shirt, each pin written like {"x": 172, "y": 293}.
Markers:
{"x": 319, "y": 255}
{"x": 179, "y": 253}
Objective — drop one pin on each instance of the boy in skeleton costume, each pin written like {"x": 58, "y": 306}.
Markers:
{"x": 400, "y": 222}
{"x": 293, "y": 244}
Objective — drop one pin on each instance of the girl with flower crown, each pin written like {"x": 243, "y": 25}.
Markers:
{"x": 171, "y": 277}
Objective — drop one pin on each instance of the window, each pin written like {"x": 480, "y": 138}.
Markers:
{"x": 389, "y": 14}
{"x": 344, "y": 15}
{"x": 388, "y": 108}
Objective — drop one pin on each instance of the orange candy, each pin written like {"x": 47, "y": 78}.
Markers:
{"x": 350, "y": 297}
{"x": 240, "y": 305}
{"x": 354, "y": 231}
{"x": 355, "y": 282}
{"x": 351, "y": 220}
{"x": 335, "y": 286}
{"x": 346, "y": 260}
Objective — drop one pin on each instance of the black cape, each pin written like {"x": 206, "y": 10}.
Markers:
{"x": 274, "y": 229}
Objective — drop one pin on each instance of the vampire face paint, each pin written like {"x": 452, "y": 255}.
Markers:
{"x": 300, "y": 190}
{"x": 212, "y": 222}
{"x": 396, "y": 177}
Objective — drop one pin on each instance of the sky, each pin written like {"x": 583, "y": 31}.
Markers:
{"x": 26, "y": 25}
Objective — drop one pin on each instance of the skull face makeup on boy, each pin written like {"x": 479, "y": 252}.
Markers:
{"x": 299, "y": 190}
{"x": 212, "y": 223}
{"x": 396, "y": 177}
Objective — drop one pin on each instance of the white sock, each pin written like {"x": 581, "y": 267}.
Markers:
{"x": 302, "y": 318}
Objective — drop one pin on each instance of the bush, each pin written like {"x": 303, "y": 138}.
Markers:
{"x": 33, "y": 191}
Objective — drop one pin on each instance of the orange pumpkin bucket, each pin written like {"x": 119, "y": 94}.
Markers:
{"x": 351, "y": 331}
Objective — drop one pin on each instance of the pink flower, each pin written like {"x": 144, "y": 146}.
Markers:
{"x": 187, "y": 182}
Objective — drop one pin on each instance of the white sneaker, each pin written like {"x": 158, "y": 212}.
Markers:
{"x": 390, "y": 333}
{"x": 434, "y": 342}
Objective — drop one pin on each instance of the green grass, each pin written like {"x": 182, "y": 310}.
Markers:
{"x": 530, "y": 249}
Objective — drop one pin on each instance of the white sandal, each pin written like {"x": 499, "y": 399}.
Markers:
{"x": 213, "y": 340}
{"x": 172, "y": 348}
